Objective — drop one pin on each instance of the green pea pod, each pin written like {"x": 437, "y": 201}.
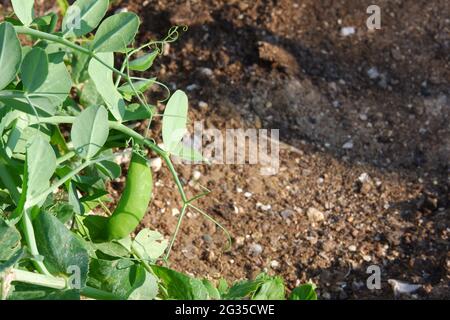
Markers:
{"x": 134, "y": 201}
{"x": 131, "y": 208}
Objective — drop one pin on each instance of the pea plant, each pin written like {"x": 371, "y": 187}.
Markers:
{"x": 67, "y": 112}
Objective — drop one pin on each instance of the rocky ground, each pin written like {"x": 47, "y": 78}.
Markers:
{"x": 364, "y": 124}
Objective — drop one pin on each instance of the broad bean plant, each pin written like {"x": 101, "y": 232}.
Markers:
{"x": 68, "y": 110}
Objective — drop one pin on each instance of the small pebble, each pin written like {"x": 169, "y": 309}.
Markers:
{"x": 352, "y": 248}
{"x": 248, "y": 194}
{"x": 256, "y": 249}
{"x": 274, "y": 264}
{"x": 156, "y": 164}
{"x": 196, "y": 175}
{"x": 203, "y": 105}
{"x": 206, "y": 72}
{"x": 286, "y": 214}
{"x": 315, "y": 215}
{"x": 348, "y": 31}
{"x": 373, "y": 73}
{"x": 348, "y": 145}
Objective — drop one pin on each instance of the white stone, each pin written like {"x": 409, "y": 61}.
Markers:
{"x": 156, "y": 164}
{"x": 348, "y": 31}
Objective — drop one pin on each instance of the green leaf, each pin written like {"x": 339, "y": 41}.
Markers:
{"x": 61, "y": 249}
{"x": 143, "y": 63}
{"x": 304, "y": 292}
{"x": 145, "y": 286}
{"x": 213, "y": 292}
{"x": 149, "y": 245}
{"x": 12, "y": 260}
{"x": 80, "y": 64}
{"x": 57, "y": 86}
{"x": 246, "y": 288}
{"x": 112, "y": 249}
{"x": 103, "y": 80}
{"x": 10, "y": 54}
{"x": 34, "y": 69}
{"x": 62, "y": 210}
{"x": 222, "y": 287}
{"x": 90, "y": 131}
{"x": 139, "y": 86}
{"x": 116, "y": 32}
{"x": 109, "y": 168}
{"x": 135, "y": 112}
{"x": 175, "y": 121}
{"x": 24, "y": 10}
{"x": 187, "y": 153}
{"x": 9, "y": 240}
{"x": 116, "y": 276}
{"x": 40, "y": 167}
{"x": 47, "y": 23}
{"x": 25, "y": 291}
{"x": 89, "y": 95}
{"x": 271, "y": 289}
{"x": 180, "y": 286}
{"x": 83, "y": 16}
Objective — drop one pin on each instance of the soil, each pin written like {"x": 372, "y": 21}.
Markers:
{"x": 364, "y": 124}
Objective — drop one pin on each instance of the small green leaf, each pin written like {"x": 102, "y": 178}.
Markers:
{"x": 175, "y": 121}
{"x": 47, "y": 23}
{"x": 271, "y": 289}
{"x": 135, "y": 112}
{"x": 187, "y": 153}
{"x": 150, "y": 245}
{"x": 34, "y": 69}
{"x": 109, "y": 168}
{"x": 24, "y": 10}
{"x": 145, "y": 286}
{"x": 9, "y": 240}
{"x": 143, "y": 63}
{"x": 10, "y": 54}
{"x": 56, "y": 86}
{"x": 139, "y": 86}
{"x": 90, "y": 131}
{"x": 83, "y": 16}
{"x": 304, "y": 292}
{"x": 116, "y": 32}
{"x": 40, "y": 165}
{"x": 23, "y": 291}
{"x": 213, "y": 292}
{"x": 180, "y": 286}
{"x": 89, "y": 95}
{"x": 103, "y": 80}
{"x": 116, "y": 276}
{"x": 61, "y": 249}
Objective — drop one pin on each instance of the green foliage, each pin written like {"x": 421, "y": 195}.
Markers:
{"x": 24, "y": 10}
{"x": 56, "y": 240}
{"x": 10, "y": 54}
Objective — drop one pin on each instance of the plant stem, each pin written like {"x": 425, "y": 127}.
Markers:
{"x": 65, "y": 157}
{"x": 177, "y": 229}
{"x": 52, "y": 282}
{"x": 48, "y": 281}
{"x": 28, "y": 230}
{"x": 67, "y": 43}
